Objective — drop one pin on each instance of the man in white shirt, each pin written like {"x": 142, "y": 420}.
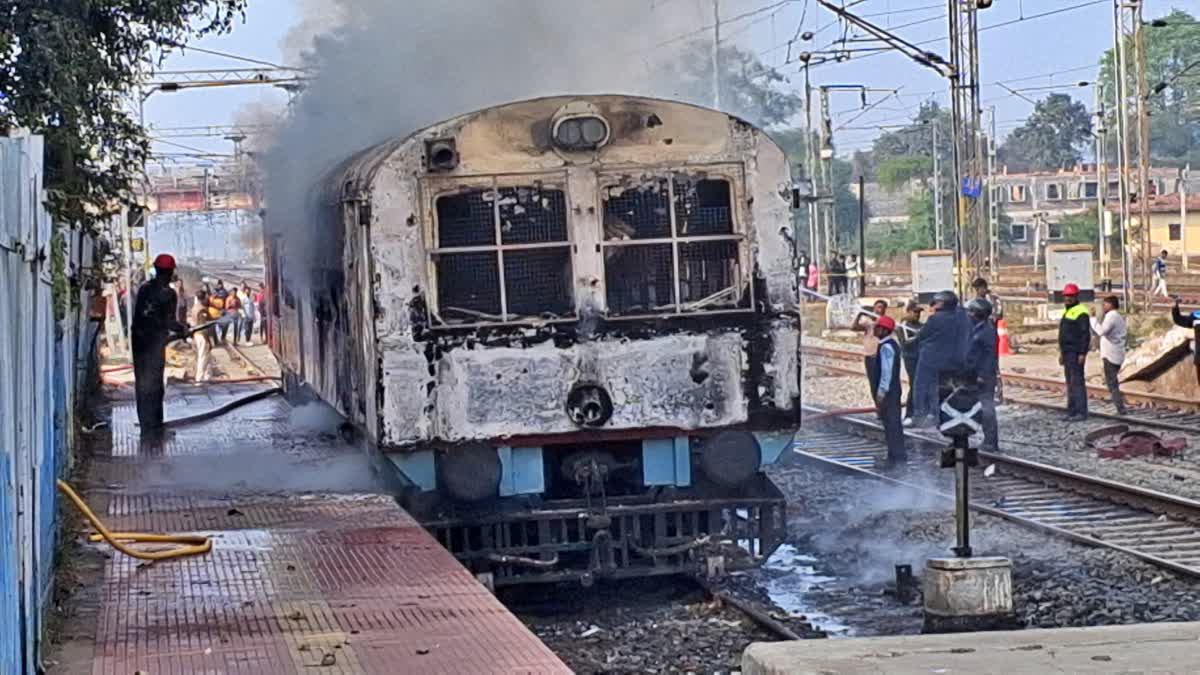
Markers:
{"x": 1112, "y": 332}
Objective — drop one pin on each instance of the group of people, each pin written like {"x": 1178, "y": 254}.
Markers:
{"x": 954, "y": 343}
{"x": 844, "y": 274}
{"x": 960, "y": 345}
{"x": 1074, "y": 337}
{"x": 225, "y": 311}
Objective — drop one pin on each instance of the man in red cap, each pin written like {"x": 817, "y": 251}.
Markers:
{"x": 884, "y": 375}
{"x": 1074, "y": 339}
{"x": 154, "y": 324}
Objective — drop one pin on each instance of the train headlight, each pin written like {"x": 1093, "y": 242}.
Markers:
{"x": 581, "y": 132}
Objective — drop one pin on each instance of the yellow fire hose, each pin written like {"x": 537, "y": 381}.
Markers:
{"x": 195, "y": 544}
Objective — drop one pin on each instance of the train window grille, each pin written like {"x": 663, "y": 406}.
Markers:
{"x": 671, "y": 245}
{"x": 503, "y": 254}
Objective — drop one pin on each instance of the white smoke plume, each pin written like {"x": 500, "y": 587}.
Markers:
{"x": 387, "y": 68}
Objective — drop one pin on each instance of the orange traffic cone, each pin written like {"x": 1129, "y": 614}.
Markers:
{"x": 1003, "y": 348}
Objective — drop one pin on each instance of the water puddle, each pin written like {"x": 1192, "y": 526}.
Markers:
{"x": 789, "y": 577}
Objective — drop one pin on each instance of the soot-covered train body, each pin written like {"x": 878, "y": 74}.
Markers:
{"x": 570, "y": 326}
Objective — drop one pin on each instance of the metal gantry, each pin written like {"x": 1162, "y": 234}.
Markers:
{"x": 1127, "y": 20}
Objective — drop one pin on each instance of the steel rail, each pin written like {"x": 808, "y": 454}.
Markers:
{"x": 1158, "y": 528}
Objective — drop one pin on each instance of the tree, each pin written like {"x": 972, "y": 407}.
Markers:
{"x": 916, "y": 139}
{"x": 845, "y": 202}
{"x": 1175, "y": 111}
{"x": 749, "y": 88}
{"x": 914, "y": 235}
{"x": 1052, "y": 138}
{"x": 1080, "y": 228}
{"x": 67, "y": 70}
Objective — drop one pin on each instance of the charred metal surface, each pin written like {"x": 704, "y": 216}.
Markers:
{"x": 495, "y": 283}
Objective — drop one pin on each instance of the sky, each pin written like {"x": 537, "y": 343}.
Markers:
{"x": 1023, "y": 50}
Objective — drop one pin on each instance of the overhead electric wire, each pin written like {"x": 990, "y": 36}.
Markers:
{"x": 1011, "y": 22}
{"x": 179, "y": 145}
{"x": 724, "y": 22}
{"x": 227, "y": 55}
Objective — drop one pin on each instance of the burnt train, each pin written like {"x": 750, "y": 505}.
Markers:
{"x": 569, "y": 328}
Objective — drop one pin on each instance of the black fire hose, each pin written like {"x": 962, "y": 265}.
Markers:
{"x": 217, "y": 412}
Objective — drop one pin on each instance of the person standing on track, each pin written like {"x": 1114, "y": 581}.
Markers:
{"x": 1111, "y": 330}
{"x": 910, "y": 344}
{"x": 1160, "y": 275}
{"x": 981, "y": 369}
{"x": 154, "y": 325}
{"x": 1074, "y": 339}
{"x": 984, "y": 292}
{"x": 942, "y": 350}
{"x": 232, "y": 317}
{"x": 201, "y": 339}
{"x": 1191, "y": 321}
{"x": 884, "y": 375}
{"x": 249, "y": 314}
{"x": 260, "y": 301}
{"x": 853, "y": 276}
{"x": 866, "y": 324}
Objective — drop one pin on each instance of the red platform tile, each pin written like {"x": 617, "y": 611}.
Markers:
{"x": 295, "y": 583}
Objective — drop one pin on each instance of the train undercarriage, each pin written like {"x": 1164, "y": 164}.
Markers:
{"x": 622, "y": 509}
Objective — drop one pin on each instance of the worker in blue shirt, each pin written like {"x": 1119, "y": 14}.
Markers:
{"x": 943, "y": 347}
{"x": 981, "y": 369}
{"x": 884, "y": 375}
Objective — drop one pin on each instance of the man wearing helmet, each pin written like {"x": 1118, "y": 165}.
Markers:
{"x": 943, "y": 345}
{"x": 1189, "y": 321}
{"x": 981, "y": 368}
{"x": 1074, "y": 339}
{"x": 154, "y": 323}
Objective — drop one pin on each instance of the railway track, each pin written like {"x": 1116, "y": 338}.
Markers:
{"x": 1145, "y": 409}
{"x": 253, "y": 368}
{"x": 1158, "y": 528}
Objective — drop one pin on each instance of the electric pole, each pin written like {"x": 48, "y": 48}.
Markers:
{"x": 1098, "y": 132}
{"x": 716, "y": 54}
{"x": 971, "y": 231}
{"x": 937, "y": 191}
{"x": 830, "y": 214}
{"x": 1183, "y": 212}
{"x": 1143, "y": 117}
{"x": 810, "y": 156}
{"x": 1122, "y": 36}
{"x": 993, "y": 205}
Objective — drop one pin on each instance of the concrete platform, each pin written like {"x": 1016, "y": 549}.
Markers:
{"x": 311, "y": 571}
{"x": 1163, "y": 648}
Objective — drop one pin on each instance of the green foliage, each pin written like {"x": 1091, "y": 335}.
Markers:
{"x": 1175, "y": 112}
{"x": 914, "y": 235}
{"x": 1080, "y": 228}
{"x": 68, "y": 70}
{"x": 916, "y": 139}
{"x": 60, "y": 288}
{"x": 895, "y": 172}
{"x": 1052, "y": 138}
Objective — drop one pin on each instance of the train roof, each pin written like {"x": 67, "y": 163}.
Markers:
{"x": 358, "y": 171}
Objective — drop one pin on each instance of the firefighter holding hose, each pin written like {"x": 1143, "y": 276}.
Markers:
{"x": 154, "y": 325}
